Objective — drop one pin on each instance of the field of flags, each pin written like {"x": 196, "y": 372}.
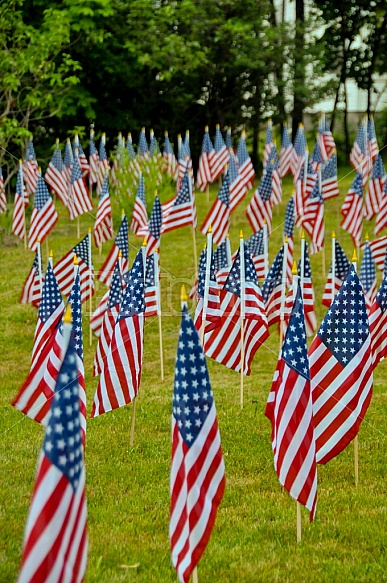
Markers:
{"x": 262, "y": 293}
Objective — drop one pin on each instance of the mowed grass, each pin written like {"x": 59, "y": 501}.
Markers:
{"x": 254, "y": 538}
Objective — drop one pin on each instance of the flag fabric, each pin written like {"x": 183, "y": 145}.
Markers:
{"x": 103, "y": 226}
{"x": 342, "y": 267}
{"x": 204, "y": 176}
{"x": 121, "y": 243}
{"x": 151, "y": 285}
{"x": 260, "y": 207}
{"x": 81, "y": 156}
{"x": 139, "y": 223}
{"x": 368, "y": 276}
{"x": 32, "y": 400}
{"x": 286, "y": 152}
{"x": 218, "y": 217}
{"x": 376, "y": 191}
{"x": 325, "y": 138}
{"x": 197, "y": 478}
{"x": 305, "y": 184}
{"x": 129, "y": 148}
{"x": 246, "y": 169}
{"x": 228, "y": 140}
{"x": 340, "y": 360}
{"x": 93, "y": 159}
{"x": 378, "y": 324}
{"x": 55, "y": 541}
{"x": 44, "y": 216}
{"x": 221, "y": 157}
{"x": 240, "y": 299}
{"x": 31, "y": 291}
{"x": 21, "y": 201}
{"x": 3, "y": 199}
{"x": 299, "y": 149}
{"x": 237, "y": 185}
{"x": 154, "y": 227}
{"x": 373, "y": 148}
{"x": 64, "y": 269}
{"x": 169, "y": 157}
{"x": 222, "y": 262}
{"x": 272, "y": 288}
{"x": 306, "y": 286}
{"x": 208, "y": 298}
{"x": 96, "y": 319}
{"x": 78, "y": 199}
{"x": 154, "y": 149}
{"x": 201, "y": 266}
{"x": 359, "y": 150}
{"x": 120, "y": 378}
{"x": 379, "y": 251}
{"x": 352, "y": 210}
{"x": 181, "y": 210}
{"x": 289, "y": 409}
{"x": 329, "y": 183}
{"x": 254, "y": 245}
{"x": 55, "y": 176}
{"x": 109, "y": 320}
{"x": 313, "y": 219}
{"x": 68, "y": 161}
{"x": 143, "y": 149}
{"x": 276, "y": 177}
{"x": 269, "y": 143}
{"x": 30, "y": 169}
{"x": 289, "y": 233}
{"x": 103, "y": 162}
{"x": 316, "y": 158}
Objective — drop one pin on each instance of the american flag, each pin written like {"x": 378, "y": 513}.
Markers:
{"x": 276, "y": 177}
{"x": 289, "y": 232}
{"x": 299, "y": 149}
{"x": 103, "y": 226}
{"x": 218, "y": 217}
{"x": 129, "y": 147}
{"x": 269, "y": 143}
{"x": 55, "y": 177}
{"x": 246, "y": 169}
{"x": 121, "y": 243}
{"x": 169, "y": 157}
{"x": 286, "y": 152}
{"x": 68, "y": 161}
{"x": 341, "y": 268}
{"x": 186, "y": 144}
{"x": 222, "y": 261}
{"x": 55, "y": 541}
{"x": 352, "y": 210}
{"x": 204, "y": 176}
{"x": 373, "y": 148}
{"x": 304, "y": 187}
{"x": 103, "y": 163}
{"x": 93, "y": 159}
{"x": 109, "y": 319}
{"x": 152, "y": 307}
{"x": 154, "y": 227}
{"x": 378, "y": 324}
{"x": 260, "y": 207}
{"x": 154, "y": 149}
{"x": 240, "y": 299}
{"x": 201, "y": 266}
{"x": 306, "y": 286}
{"x": 375, "y": 195}
{"x": 78, "y": 200}
{"x": 237, "y": 184}
{"x": 3, "y": 200}
{"x": 359, "y": 156}
{"x": 197, "y": 479}
{"x": 120, "y": 379}
{"x": 313, "y": 219}
{"x": 325, "y": 137}
{"x": 96, "y": 319}
{"x": 81, "y": 155}
{"x": 289, "y": 408}
{"x": 64, "y": 269}
{"x": 139, "y": 223}
{"x": 329, "y": 183}
{"x": 143, "y": 149}
{"x": 228, "y": 140}
{"x": 255, "y": 246}
{"x": 21, "y": 201}
{"x": 30, "y": 169}
{"x": 340, "y": 361}
{"x": 379, "y": 251}
{"x": 31, "y": 291}
{"x": 221, "y": 157}
{"x": 181, "y": 210}
{"x": 368, "y": 276}
{"x": 44, "y": 216}
{"x": 316, "y": 158}
{"x": 32, "y": 399}
{"x": 208, "y": 307}
{"x": 273, "y": 288}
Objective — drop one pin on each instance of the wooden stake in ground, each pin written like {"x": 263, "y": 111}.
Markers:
{"x": 356, "y": 440}
{"x": 298, "y": 522}
{"x": 242, "y": 311}
{"x": 283, "y": 289}
{"x": 90, "y": 289}
{"x": 24, "y": 206}
{"x": 39, "y": 251}
{"x": 323, "y": 249}
{"x": 265, "y": 247}
{"x": 157, "y": 282}
{"x": 206, "y": 283}
{"x": 190, "y": 182}
{"x": 333, "y": 269}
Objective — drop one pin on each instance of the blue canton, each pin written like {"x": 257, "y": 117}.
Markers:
{"x": 102, "y": 150}
{"x": 300, "y": 141}
{"x": 274, "y": 277}
{"x": 68, "y": 155}
{"x": 269, "y": 135}
{"x": 56, "y": 159}
{"x": 93, "y": 149}
{"x": 121, "y": 240}
{"x": 289, "y": 218}
{"x": 265, "y": 186}
{"x": 381, "y": 296}
{"x": 224, "y": 192}
{"x": 192, "y": 394}
{"x": 41, "y": 194}
{"x": 202, "y": 274}
{"x": 186, "y": 145}
{"x": 150, "y": 271}
{"x": 207, "y": 146}
{"x": 286, "y": 143}
{"x": 81, "y": 250}
{"x": 329, "y": 169}
{"x": 307, "y": 269}
{"x": 254, "y": 245}
{"x": 51, "y": 296}
{"x": 367, "y": 269}
{"x": 273, "y": 158}
{"x": 76, "y": 314}
{"x": 62, "y": 442}
{"x": 316, "y": 154}
{"x": 130, "y": 149}
{"x": 156, "y": 219}
{"x": 133, "y": 301}
{"x": 342, "y": 263}
{"x": 142, "y": 143}
{"x": 232, "y": 170}
{"x": 19, "y": 182}
{"x": 295, "y": 348}
{"x": 242, "y": 153}
{"x": 105, "y": 186}
{"x": 229, "y": 143}
{"x": 378, "y": 170}
{"x": 30, "y": 151}
{"x": 184, "y": 194}
{"x": 233, "y": 283}
{"x": 360, "y": 138}
{"x": 220, "y": 256}
{"x": 219, "y": 142}
{"x": 357, "y": 185}
{"x": 154, "y": 147}
{"x": 167, "y": 145}
{"x": 76, "y": 173}
{"x": 345, "y": 326}
{"x": 115, "y": 292}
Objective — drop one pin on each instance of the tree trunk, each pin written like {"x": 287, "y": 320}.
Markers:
{"x": 346, "y": 131}
{"x": 299, "y": 68}
{"x": 256, "y": 121}
{"x": 279, "y": 71}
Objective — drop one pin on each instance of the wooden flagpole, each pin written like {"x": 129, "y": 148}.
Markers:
{"x": 195, "y": 575}
{"x": 298, "y": 521}
{"x": 302, "y": 260}
{"x": 333, "y": 265}
{"x": 40, "y": 266}
{"x": 24, "y": 206}
{"x": 157, "y": 281}
{"x": 283, "y": 289}
{"x": 90, "y": 288}
{"x": 265, "y": 247}
{"x": 242, "y": 311}
{"x": 206, "y": 283}
{"x": 323, "y": 249}
{"x": 193, "y": 224}
{"x": 356, "y": 440}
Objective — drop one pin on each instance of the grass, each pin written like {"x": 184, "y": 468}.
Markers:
{"x": 254, "y": 537}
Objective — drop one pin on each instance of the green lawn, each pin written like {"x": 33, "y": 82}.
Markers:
{"x": 254, "y": 538}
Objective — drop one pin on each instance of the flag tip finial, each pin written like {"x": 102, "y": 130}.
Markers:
{"x": 75, "y": 260}
{"x": 294, "y": 268}
{"x": 122, "y": 211}
{"x": 367, "y": 236}
{"x": 57, "y": 141}
{"x": 51, "y": 253}
{"x": 286, "y": 239}
{"x": 209, "y": 230}
{"x": 241, "y": 234}
{"x": 89, "y": 230}
{"x": 67, "y": 318}
{"x": 183, "y": 294}
{"x": 227, "y": 235}
{"x": 120, "y": 253}
{"x": 333, "y": 235}
{"x": 144, "y": 243}
{"x": 156, "y": 192}
{"x": 354, "y": 256}
{"x": 38, "y": 240}
{"x": 302, "y": 234}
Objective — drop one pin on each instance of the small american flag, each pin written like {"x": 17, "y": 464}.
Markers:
{"x": 340, "y": 360}
{"x": 68, "y": 161}
{"x": 55, "y": 541}
{"x": 139, "y": 223}
{"x": 55, "y": 177}
{"x": 78, "y": 200}
{"x": 237, "y": 184}
{"x": 289, "y": 409}
{"x": 221, "y": 157}
{"x": 208, "y": 297}
{"x": 260, "y": 207}
{"x": 181, "y": 210}
{"x": 103, "y": 226}
{"x": 373, "y": 148}
{"x": 218, "y": 217}
{"x": 44, "y": 216}
{"x": 286, "y": 152}
{"x": 352, "y": 210}
{"x": 93, "y": 159}
{"x": 313, "y": 219}
{"x": 3, "y": 199}
{"x": 246, "y": 169}
{"x": 204, "y": 176}
{"x": 143, "y": 144}
{"x": 169, "y": 157}
{"x": 31, "y": 289}
{"x": 21, "y": 201}
{"x": 272, "y": 288}
{"x": 269, "y": 143}
{"x": 155, "y": 227}
{"x": 329, "y": 183}
{"x": 64, "y": 269}
{"x": 342, "y": 266}
{"x": 375, "y": 192}
{"x": 368, "y": 276}
{"x": 289, "y": 232}
{"x": 299, "y": 149}
{"x": 197, "y": 479}
{"x": 378, "y": 324}
{"x": 121, "y": 243}
{"x": 379, "y": 251}
{"x": 120, "y": 378}
{"x": 30, "y": 169}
